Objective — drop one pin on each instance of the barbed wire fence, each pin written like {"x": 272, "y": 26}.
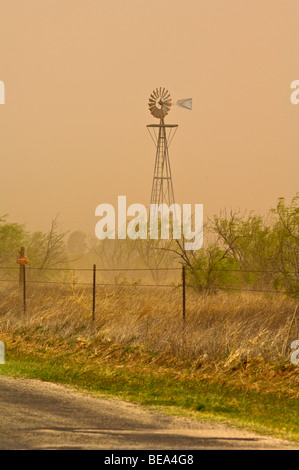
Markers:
{"x": 179, "y": 284}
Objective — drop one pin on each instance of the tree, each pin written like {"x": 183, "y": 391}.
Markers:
{"x": 255, "y": 251}
{"x": 76, "y": 245}
{"x": 286, "y": 261}
{"x": 12, "y": 237}
{"x": 47, "y": 250}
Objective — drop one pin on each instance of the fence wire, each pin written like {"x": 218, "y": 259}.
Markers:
{"x": 23, "y": 281}
{"x": 148, "y": 269}
{"x": 134, "y": 283}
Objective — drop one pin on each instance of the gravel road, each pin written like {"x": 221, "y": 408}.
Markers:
{"x": 41, "y": 415}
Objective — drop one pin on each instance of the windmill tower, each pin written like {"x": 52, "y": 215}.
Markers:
{"x": 162, "y": 135}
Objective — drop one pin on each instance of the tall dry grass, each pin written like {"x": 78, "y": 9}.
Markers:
{"x": 227, "y": 327}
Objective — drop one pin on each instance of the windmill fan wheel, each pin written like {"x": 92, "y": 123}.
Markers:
{"x": 159, "y": 103}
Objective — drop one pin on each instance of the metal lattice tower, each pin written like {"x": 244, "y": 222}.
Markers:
{"x": 162, "y": 186}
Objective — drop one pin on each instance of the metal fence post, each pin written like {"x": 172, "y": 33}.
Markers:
{"x": 184, "y": 292}
{"x": 24, "y": 287}
{"x": 94, "y": 293}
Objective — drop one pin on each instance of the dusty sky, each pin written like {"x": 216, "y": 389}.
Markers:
{"x": 78, "y": 74}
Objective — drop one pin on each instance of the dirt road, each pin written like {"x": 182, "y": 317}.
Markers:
{"x": 40, "y": 415}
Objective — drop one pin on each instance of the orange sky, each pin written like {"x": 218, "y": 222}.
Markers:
{"x": 78, "y": 74}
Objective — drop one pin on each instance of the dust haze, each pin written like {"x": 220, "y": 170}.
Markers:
{"x": 77, "y": 80}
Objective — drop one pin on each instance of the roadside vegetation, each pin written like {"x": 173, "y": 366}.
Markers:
{"x": 228, "y": 360}
{"x": 240, "y": 251}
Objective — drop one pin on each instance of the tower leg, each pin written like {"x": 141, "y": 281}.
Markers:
{"x": 162, "y": 187}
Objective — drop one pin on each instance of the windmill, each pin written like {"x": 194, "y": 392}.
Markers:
{"x": 162, "y": 135}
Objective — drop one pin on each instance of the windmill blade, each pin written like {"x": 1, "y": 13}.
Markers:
{"x": 165, "y": 93}
{"x": 186, "y": 103}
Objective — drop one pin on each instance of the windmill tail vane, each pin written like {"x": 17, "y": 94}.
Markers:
{"x": 186, "y": 103}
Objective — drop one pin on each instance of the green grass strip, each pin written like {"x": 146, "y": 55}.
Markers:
{"x": 267, "y": 413}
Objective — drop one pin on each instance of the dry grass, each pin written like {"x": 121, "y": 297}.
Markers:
{"x": 231, "y": 328}
{"x": 229, "y": 361}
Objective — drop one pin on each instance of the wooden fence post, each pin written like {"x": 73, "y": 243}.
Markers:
{"x": 21, "y": 270}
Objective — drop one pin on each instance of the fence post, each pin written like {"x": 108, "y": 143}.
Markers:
{"x": 184, "y": 292}
{"x": 21, "y": 271}
{"x": 24, "y": 287}
{"x": 94, "y": 293}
